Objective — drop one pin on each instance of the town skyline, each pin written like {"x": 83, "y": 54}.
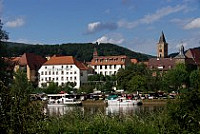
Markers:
{"x": 127, "y": 23}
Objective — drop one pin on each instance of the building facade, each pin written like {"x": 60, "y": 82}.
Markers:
{"x": 162, "y": 47}
{"x": 61, "y": 70}
{"x": 30, "y": 64}
{"x": 164, "y": 63}
{"x": 108, "y": 65}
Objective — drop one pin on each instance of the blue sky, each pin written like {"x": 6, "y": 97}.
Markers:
{"x": 134, "y": 24}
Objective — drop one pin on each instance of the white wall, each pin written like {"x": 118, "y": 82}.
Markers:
{"x": 72, "y": 72}
{"x": 108, "y": 70}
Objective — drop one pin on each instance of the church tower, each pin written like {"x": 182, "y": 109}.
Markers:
{"x": 162, "y": 47}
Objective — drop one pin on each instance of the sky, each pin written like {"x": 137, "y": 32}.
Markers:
{"x": 134, "y": 24}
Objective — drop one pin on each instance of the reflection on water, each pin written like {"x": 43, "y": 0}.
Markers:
{"x": 108, "y": 110}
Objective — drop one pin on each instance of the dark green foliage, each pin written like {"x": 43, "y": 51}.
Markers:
{"x": 133, "y": 78}
{"x": 177, "y": 77}
{"x": 183, "y": 114}
{"x": 81, "y": 51}
{"x": 195, "y": 79}
{"x": 18, "y": 113}
{"x": 102, "y": 83}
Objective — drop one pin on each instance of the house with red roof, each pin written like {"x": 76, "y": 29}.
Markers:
{"x": 29, "y": 63}
{"x": 164, "y": 63}
{"x": 61, "y": 70}
{"x": 109, "y": 65}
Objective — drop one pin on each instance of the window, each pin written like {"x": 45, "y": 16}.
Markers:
{"x": 57, "y": 73}
{"x": 100, "y": 66}
{"x": 66, "y": 66}
{"x": 110, "y": 66}
{"x": 53, "y": 73}
{"x": 61, "y": 66}
{"x": 53, "y": 67}
{"x": 70, "y": 72}
{"x": 66, "y": 78}
{"x": 62, "y": 78}
{"x": 56, "y": 78}
{"x": 62, "y": 72}
{"x": 42, "y": 73}
{"x": 53, "y": 79}
{"x": 45, "y": 67}
{"x": 74, "y": 72}
{"x": 70, "y": 78}
{"x": 49, "y": 78}
{"x": 41, "y": 79}
{"x": 75, "y": 78}
{"x": 67, "y": 72}
{"x": 62, "y": 84}
{"x": 115, "y": 72}
{"x": 45, "y": 78}
{"x": 45, "y": 72}
{"x": 110, "y": 72}
{"x": 114, "y": 66}
{"x": 95, "y": 67}
{"x": 49, "y": 72}
{"x": 105, "y": 66}
{"x": 70, "y": 66}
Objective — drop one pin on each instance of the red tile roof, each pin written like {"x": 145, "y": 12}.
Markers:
{"x": 109, "y": 60}
{"x": 32, "y": 60}
{"x": 65, "y": 60}
{"x": 194, "y": 54}
{"x": 162, "y": 63}
{"x": 134, "y": 61}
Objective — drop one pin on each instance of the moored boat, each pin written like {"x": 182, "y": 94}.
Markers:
{"x": 62, "y": 99}
{"x": 122, "y": 101}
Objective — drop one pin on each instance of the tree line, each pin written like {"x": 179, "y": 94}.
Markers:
{"x": 81, "y": 51}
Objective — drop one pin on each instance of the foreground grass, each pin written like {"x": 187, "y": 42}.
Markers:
{"x": 77, "y": 122}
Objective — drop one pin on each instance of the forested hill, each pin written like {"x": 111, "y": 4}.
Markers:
{"x": 81, "y": 51}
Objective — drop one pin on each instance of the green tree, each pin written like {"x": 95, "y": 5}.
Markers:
{"x": 176, "y": 78}
{"x": 52, "y": 88}
{"x": 195, "y": 79}
{"x": 24, "y": 116}
{"x": 137, "y": 83}
{"x": 4, "y": 76}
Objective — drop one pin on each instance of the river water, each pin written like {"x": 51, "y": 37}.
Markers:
{"x": 107, "y": 110}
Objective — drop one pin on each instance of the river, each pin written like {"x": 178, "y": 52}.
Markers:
{"x": 107, "y": 110}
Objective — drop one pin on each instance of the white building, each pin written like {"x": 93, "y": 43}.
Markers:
{"x": 108, "y": 65}
{"x": 62, "y": 69}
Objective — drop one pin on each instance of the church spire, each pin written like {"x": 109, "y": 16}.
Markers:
{"x": 162, "y": 38}
{"x": 162, "y": 47}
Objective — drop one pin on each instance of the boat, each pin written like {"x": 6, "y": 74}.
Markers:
{"x": 62, "y": 99}
{"x": 114, "y": 100}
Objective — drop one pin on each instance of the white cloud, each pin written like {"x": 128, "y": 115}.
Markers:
{"x": 112, "y": 38}
{"x": 150, "y": 18}
{"x": 25, "y": 41}
{"x": 15, "y": 23}
{"x": 99, "y": 26}
{"x": 193, "y": 24}
{"x": 126, "y": 24}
